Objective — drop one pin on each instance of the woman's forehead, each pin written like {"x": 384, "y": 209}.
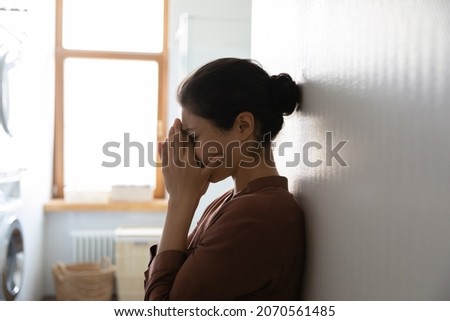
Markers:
{"x": 191, "y": 121}
{"x": 188, "y": 119}
{"x": 185, "y": 116}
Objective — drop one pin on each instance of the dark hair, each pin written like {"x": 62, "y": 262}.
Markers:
{"x": 223, "y": 88}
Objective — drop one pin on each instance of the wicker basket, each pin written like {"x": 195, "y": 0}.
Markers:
{"x": 84, "y": 281}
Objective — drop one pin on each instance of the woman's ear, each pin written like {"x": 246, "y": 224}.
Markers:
{"x": 245, "y": 125}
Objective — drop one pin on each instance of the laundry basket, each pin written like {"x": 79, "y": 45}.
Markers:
{"x": 84, "y": 281}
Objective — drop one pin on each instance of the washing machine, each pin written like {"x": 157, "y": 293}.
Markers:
{"x": 11, "y": 237}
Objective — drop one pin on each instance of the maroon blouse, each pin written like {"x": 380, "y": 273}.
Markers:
{"x": 247, "y": 246}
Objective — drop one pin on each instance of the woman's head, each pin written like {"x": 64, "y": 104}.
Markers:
{"x": 222, "y": 89}
{"x": 230, "y": 101}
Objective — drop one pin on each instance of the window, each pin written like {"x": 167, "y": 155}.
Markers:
{"x": 110, "y": 94}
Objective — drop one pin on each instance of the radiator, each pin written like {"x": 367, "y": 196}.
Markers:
{"x": 93, "y": 245}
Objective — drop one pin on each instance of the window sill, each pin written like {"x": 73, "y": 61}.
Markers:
{"x": 59, "y": 205}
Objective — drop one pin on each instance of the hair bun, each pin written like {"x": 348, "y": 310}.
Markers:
{"x": 286, "y": 94}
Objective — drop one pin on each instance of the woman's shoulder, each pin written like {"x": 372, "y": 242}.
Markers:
{"x": 265, "y": 201}
{"x": 268, "y": 203}
{"x": 270, "y": 198}
{"x": 263, "y": 215}
{"x": 267, "y": 190}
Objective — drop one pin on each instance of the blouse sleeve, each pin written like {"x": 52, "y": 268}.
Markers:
{"x": 163, "y": 271}
{"x": 231, "y": 260}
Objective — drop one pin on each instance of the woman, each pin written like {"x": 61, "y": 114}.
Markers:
{"x": 248, "y": 245}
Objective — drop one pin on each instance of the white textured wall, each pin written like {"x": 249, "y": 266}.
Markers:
{"x": 376, "y": 74}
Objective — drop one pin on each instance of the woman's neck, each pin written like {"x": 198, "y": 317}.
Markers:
{"x": 245, "y": 174}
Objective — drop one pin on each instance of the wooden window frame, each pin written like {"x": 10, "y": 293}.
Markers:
{"x": 62, "y": 53}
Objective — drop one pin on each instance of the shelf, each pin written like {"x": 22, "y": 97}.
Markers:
{"x": 59, "y": 205}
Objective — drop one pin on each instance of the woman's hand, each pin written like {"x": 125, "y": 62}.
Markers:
{"x": 184, "y": 177}
{"x": 186, "y": 181}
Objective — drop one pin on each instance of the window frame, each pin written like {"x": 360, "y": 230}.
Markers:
{"x": 62, "y": 53}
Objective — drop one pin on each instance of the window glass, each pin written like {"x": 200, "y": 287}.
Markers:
{"x": 106, "y": 101}
{"x": 113, "y": 25}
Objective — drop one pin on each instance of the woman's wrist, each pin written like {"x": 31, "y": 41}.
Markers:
{"x": 186, "y": 201}
{"x": 180, "y": 212}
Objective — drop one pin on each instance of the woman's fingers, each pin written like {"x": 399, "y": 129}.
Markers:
{"x": 170, "y": 144}
{"x": 190, "y": 155}
{"x": 177, "y": 126}
{"x": 181, "y": 168}
{"x": 163, "y": 149}
{"x": 177, "y": 142}
{"x": 160, "y": 149}
{"x": 180, "y": 138}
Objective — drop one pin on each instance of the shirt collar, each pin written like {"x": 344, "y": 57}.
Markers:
{"x": 266, "y": 181}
